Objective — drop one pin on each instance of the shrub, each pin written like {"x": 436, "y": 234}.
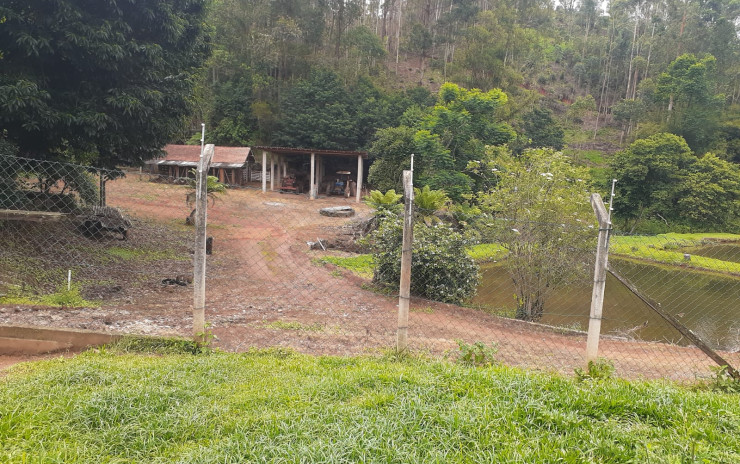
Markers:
{"x": 440, "y": 270}
{"x": 599, "y": 369}
{"x": 477, "y": 354}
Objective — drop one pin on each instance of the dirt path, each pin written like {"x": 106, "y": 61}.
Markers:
{"x": 265, "y": 288}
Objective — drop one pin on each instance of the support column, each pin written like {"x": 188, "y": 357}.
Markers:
{"x": 272, "y": 172}
{"x": 359, "y": 178}
{"x": 279, "y": 171}
{"x": 312, "y": 195}
{"x": 264, "y": 171}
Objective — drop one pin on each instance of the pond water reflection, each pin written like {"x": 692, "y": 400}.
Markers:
{"x": 707, "y": 303}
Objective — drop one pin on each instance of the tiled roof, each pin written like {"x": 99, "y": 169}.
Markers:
{"x": 188, "y": 155}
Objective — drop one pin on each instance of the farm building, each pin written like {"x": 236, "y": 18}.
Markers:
{"x": 230, "y": 164}
{"x": 312, "y": 171}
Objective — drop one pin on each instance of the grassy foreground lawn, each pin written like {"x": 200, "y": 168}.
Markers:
{"x": 103, "y": 407}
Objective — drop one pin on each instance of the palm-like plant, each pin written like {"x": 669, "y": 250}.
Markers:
{"x": 428, "y": 202}
{"x": 388, "y": 202}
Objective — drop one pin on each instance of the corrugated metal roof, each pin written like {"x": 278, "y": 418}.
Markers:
{"x": 188, "y": 155}
{"x": 308, "y": 151}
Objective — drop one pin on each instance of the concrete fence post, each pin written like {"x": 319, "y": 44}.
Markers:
{"x": 199, "y": 255}
{"x": 597, "y": 295}
{"x": 404, "y": 295}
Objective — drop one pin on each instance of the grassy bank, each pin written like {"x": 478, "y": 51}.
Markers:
{"x": 281, "y": 407}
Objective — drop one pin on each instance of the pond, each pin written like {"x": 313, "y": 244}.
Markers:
{"x": 705, "y": 302}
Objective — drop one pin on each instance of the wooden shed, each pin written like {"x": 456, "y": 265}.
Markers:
{"x": 230, "y": 164}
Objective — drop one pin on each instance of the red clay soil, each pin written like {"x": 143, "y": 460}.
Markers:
{"x": 265, "y": 288}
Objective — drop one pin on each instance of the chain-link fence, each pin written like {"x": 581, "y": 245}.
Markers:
{"x": 65, "y": 244}
{"x": 321, "y": 276}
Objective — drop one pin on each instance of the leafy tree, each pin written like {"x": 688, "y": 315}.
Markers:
{"x": 540, "y": 213}
{"x": 710, "y": 193}
{"x": 649, "y": 173}
{"x": 444, "y": 140}
{"x": 322, "y": 112}
{"x": 390, "y": 153}
{"x": 542, "y": 130}
{"x": 108, "y": 82}
{"x": 579, "y": 108}
{"x": 316, "y": 113}
{"x": 693, "y": 107}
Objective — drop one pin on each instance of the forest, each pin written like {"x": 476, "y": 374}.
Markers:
{"x": 588, "y": 78}
{"x": 643, "y": 91}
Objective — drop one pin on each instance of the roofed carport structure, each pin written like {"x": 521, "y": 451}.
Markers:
{"x": 319, "y": 159}
{"x": 229, "y": 163}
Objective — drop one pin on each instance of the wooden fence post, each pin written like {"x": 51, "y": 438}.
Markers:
{"x": 408, "y": 240}
{"x": 597, "y": 296}
{"x": 199, "y": 259}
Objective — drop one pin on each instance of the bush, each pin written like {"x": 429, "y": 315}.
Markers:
{"x": 440, "y": 270}
{"x": 477, "y": 354}
{"x": 599, "y": 369}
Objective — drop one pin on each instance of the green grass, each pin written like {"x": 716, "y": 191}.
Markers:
{"x": 361, "y": 265}
{"x": 278, "y": 407}
{"x": 587, "y": 157}
{"x": 293, "y": 325}
{"x": 62, "y": 298}
{"x": 670, "y": 249}
{"x": 485, "y": 252}
{"x": 663, "y": 248}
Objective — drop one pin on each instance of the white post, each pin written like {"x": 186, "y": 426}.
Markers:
{"x": 199, "y": 255}
{"x": 359, "y": 179}
{"x": 312, "y": 196}
{"x": 272, "y": 172}
{"x": 597, "y": 296}
{"x": 264, "y": 171}
{"x": 404, "y": 295}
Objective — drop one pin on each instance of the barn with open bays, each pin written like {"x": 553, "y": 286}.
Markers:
{"x": 312, "y": 171}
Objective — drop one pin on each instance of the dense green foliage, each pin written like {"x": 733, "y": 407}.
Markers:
{"x": 273, "y": 406}
{"x": 441, "y": 270}
{"x": 660, "y": 177}
{"x": 91, "y": 81}
{"x": 443, "y": 139}
{"x": 548, "y": 56}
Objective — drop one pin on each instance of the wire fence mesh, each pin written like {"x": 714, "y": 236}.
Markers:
{"x": 289, "y": 271}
